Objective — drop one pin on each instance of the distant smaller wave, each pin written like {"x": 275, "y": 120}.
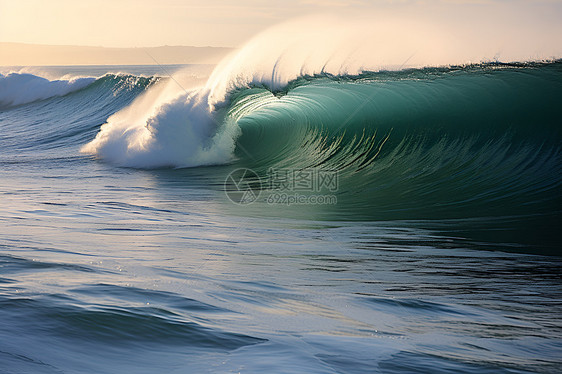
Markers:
{"x": 18, "y": 89}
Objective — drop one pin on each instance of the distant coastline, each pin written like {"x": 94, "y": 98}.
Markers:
{"x": 21, "y": 54}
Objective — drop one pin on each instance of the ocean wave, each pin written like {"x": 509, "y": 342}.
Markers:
{"x": 433, "y": 136}
{"x": 442, "y": 143}
{"x": 60, "y": 123}
{"x": 187, "y": 128}
{"x": 165, "y": 127}
{"x": 18, "y": 89}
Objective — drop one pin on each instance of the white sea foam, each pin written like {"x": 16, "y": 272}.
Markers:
{"x": 167, "y": 126}
{"x": 17, "y": 89}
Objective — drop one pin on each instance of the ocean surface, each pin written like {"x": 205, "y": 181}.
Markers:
{"x": 406, "y": 221}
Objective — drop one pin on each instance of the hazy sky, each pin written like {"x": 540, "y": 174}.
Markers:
{"x": 144, "y": 23}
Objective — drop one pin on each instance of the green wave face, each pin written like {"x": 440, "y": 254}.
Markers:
{"x": 480, "y": 141}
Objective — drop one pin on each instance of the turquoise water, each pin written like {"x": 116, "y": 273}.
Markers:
{"x": 440, "y": 252}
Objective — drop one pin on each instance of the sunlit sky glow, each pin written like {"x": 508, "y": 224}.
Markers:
{"x": 145, "y": 23}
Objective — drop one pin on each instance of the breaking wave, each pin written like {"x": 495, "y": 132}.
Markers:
{"x": 434, "y": 135}
{"x": 17, "y": 89}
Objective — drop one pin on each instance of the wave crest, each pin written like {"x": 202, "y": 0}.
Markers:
{"x": 165, "y": 127}
{"x": 18, "y": 89}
